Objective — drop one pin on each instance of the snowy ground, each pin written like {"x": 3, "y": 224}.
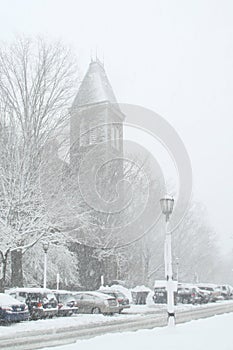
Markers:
{"x": 213, "y": 333}
{"x": 134, "y": 312}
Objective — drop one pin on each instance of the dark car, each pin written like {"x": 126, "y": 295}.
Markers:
{"x": 42, "y": 303}
{"x": 11, "y": 310}
{"x": 160, "y": 292}
{"x": 95, "y": 303}
{"x": 66, "y": 303}
{"x": 122, "y": 300}
{"x": 190, "y": 294}
{"x": 160, "y": 295}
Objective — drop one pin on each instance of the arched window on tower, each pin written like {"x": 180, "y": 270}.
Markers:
{"x": 84, "y": 134}
{"x": 115, "y": 135}
{"x": 117, "y": 138}
{"x": 93, "y": 133}
{"x": 112, "y": 135}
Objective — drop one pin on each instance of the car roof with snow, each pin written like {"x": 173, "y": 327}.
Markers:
{"x": 29, "y": 290}
{"x": 62, "y": 291}
{"x": 187, "y": 285}
{"x": 109, "y": 290}
{"x": 97, "y": 294}
{"x": 208, "y": 285}
{"x": 160, "y": 284}
{"x": 6, "y": 299}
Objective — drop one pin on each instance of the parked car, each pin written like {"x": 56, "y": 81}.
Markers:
{"x": 185, "y": 295}
{"x": 214, "y": 292}
{"x": 42, "y": 303}
{"x": 66, "y": 303}
{"x": 190, "y": 294}
{"x": 160, "y": 293}
{"x": 12, "y": 310}
{"x": 226, "y": 291}
{"x": 122, "y": 300}
{"x": 95, "y": 303}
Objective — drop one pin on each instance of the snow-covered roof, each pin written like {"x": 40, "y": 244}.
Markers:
{"x": 97, "y": 294}
{"x": 28, "y": 290}
{"x": 95, "y": 87}
{"x": 160, "y": 283}
{"x": 141, "y": 289}
{"x": 210, "y": 285}
{"x": 62, "y": 291}
{"x": 6, "y": 300}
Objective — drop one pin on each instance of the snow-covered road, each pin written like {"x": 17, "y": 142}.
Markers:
{"x": 38, "y": 334}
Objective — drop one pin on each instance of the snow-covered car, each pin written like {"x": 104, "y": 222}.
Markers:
{"x": 214, "y": 292}
{"x": 122, "y": 300}
{"x": 12, "y": 310}
{"x": 226, "y": 291}
{"x": 66, "y": 303}
{"x": 95, "y": 303}
{"x": 42, "y": 303}
{"x": 191, "y": 294}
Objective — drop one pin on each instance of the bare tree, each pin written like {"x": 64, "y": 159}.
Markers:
{"x": 36, "y": 84}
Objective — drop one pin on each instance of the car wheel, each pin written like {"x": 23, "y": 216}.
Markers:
{"x": 96, "y": 311}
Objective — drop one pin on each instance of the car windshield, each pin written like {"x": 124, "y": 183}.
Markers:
{"x": 120, "y": 295}
{"x": 50, "y": 296}
{"x": 35, "y": 296}
{"x": 207, "y": 288}
{"x": 65, "y": 298}
{"x": 110, "y": 293}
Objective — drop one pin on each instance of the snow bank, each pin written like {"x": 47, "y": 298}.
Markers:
{"x": 213, "y": 333}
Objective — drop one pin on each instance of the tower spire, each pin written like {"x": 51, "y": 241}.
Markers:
{"x": 95, "y": 87}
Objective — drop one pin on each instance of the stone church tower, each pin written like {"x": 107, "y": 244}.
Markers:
{"x": 96, "y": 120}
{"x": 95, "y": 115}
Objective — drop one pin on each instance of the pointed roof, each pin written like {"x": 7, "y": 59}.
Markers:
{"x": 95, "y": 87}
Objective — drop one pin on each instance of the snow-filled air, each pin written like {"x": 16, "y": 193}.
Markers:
{"x": 116, "y": 175}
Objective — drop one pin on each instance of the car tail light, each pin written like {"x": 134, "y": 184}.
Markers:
{"x": 120, "y": 300}
{"x": 7, "y": 308}
{"x": 39, "y": 305}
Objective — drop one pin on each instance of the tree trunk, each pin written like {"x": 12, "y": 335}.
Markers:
{"x": 3, "y": 267}
{"x": 17, "y": 268}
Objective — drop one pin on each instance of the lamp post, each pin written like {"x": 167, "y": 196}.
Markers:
{"x": 45, "y": 248}
{"x": 167, "y": 204}
{"x": 177, "y": 269}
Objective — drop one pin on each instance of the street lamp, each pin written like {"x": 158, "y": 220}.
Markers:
{"x": 167, "y": 204}
{"x": 45, "y": 248}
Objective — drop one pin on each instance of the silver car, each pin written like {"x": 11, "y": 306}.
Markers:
{"x": 95, "y": 303}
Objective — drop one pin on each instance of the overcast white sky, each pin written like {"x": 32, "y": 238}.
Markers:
{"x": 175, "y": 57}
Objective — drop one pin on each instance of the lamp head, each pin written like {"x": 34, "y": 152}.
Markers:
{"x": 167, "y": 204}
{"x": 45, "y": 246}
